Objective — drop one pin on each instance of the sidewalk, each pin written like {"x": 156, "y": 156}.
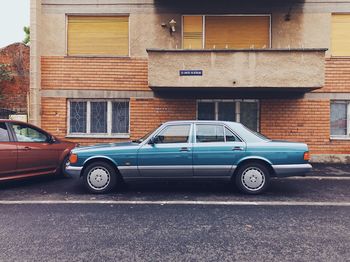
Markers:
{"x": 336, "y": 170}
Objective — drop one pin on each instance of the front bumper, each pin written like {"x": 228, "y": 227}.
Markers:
{"x": 292, "y": 169}
{"x": 73, "y": 171}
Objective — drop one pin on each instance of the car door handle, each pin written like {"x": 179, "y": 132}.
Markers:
{"x": 26, "y": 148}
{"x": 184, "y": 149}
{"x": 237, "y": 148}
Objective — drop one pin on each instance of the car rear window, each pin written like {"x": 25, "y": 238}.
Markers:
{"x": 4, "y": 136}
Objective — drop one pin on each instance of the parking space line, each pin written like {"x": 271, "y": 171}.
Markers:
{"x": 174, "y": 202}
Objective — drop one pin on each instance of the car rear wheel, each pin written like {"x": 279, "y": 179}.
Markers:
{"x": 100, "y": 177}
{"x": 252, "y": 178}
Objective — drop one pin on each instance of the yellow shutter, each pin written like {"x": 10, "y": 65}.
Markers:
{"x": 193, "y": 32}
{"x": 340, "y": 35}
{"x": 97, "y": 35}
{"x": 237, "y": 32}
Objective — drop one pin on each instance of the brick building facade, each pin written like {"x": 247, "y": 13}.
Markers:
{"x": 290, "y": 82}
{"x": 14, "y": 93}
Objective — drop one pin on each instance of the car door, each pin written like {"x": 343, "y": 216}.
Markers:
{"x": 35, "y": 152}
{"x": 8, "y": 152}
{"x": 216, "y": 149}
{"x": 169, "y": 154}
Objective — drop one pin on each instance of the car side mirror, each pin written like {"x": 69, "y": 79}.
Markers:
{"x": 52, "y": 140}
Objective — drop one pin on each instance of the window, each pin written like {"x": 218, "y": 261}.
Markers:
{"x": 230, "y": 137}
{"x": 226, "y": 32}
{"x": 98, "y": 35}
{"x": 174, "y": 134}
{"x": 4, "y": 136}
{"x": 27, "y": 134}
{"x": 243, "y": 111}
{"x": 206, "y": 111}
{"x": 340, "y": 115}
{"x": 209, "y": 133}
{"x": 341, "y": 35}
{"x": 98, "y": 117}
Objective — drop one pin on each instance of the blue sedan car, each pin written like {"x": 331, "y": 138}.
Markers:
{"x": 191, "y": 150}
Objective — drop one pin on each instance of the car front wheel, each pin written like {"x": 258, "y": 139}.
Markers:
{"x": 100, "y": 177}
{"x": 252, "y": 178}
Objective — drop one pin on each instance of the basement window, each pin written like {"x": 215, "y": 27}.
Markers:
{"x": 340, "y": 115}
{"x": 98, "y": 118}
{"x": 243, "y": 111}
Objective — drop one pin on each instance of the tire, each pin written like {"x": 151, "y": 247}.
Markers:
{"x": 252, "y": 178}
{"x": 100, "y": 177}
{"x": 61, "y": 170}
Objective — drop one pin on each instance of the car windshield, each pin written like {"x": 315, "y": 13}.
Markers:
{"x": 140, "y": 140}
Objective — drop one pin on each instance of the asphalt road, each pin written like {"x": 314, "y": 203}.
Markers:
{"x": 50, "y": 219}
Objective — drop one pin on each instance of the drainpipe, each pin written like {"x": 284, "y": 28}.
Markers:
{"x": 34, "y": 115}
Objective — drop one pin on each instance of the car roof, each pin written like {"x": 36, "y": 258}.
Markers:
{"x": 202, "y": 122}
{"x": 13, "y": 121}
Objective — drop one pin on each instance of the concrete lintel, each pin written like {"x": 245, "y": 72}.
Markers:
{"x": 97, "y": 94}
{"x": 328, "y": 96}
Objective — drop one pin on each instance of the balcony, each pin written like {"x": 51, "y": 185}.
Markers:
{"x": 276, "y": 69}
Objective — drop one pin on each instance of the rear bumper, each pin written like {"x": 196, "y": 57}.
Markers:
{"x": 74, "y": 171}
{"x": 292, "y": 170}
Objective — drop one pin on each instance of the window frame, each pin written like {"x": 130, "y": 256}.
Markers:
{"x": 212, "y": 124}
{"x": 331, "y": 49}
{"x": 190, "y": 132}
{"x": 9, "y": 133}
{"x": 203, "y": 24}
{"x": 237, "y": 108}
{"x": 340, "y": 137}
{"x": 15, "y": 138}
{"x": 96, "y": 15}
{"x": 88, "y": 133}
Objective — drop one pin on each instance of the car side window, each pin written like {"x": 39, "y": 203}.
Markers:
{"x": 231, "y": 137}
{"x": 27, "y": 134}
{"x": 4, "y": 135}
{"x": 209, "y": 133}
{"x": 174, "y": 134}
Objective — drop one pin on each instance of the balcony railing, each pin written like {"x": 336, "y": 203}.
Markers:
{"x": 301, "y": 69}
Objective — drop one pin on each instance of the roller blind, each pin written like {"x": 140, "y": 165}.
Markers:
{"x": 340, "y": 35}
{"x": 237, "y": 32}
{"x": 193, "y": 32}
{"x": 96, "y": 35}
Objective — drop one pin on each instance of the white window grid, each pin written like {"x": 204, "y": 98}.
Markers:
{"x": 237, "y": 108}
{"x": 88, "y": 119}
{"x": 347, "y": 136}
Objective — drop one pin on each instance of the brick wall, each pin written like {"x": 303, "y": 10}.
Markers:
{"x": 145, "y": 115}
{"x": 301, "y": 120}
{"x": 13, "y": 94}
{"x": 94, "y": 73}
{"x": 288, "y": 119}
{"x": 337, "y": 78}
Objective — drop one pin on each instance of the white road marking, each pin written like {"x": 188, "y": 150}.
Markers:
{"x": 174, "y": 202}
{"x": 314, "y": 178}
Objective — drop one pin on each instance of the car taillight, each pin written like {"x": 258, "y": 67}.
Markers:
{"x": 306, "y": 156}
{"x": 73, "y": 158}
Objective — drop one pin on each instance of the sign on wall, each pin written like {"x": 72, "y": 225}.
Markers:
{"x": 191, "y": 72}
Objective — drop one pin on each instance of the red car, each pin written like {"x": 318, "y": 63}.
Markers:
{"x": 26, "y": 150}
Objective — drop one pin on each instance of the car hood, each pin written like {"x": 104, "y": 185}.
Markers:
{"x": 122, "y": 145}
